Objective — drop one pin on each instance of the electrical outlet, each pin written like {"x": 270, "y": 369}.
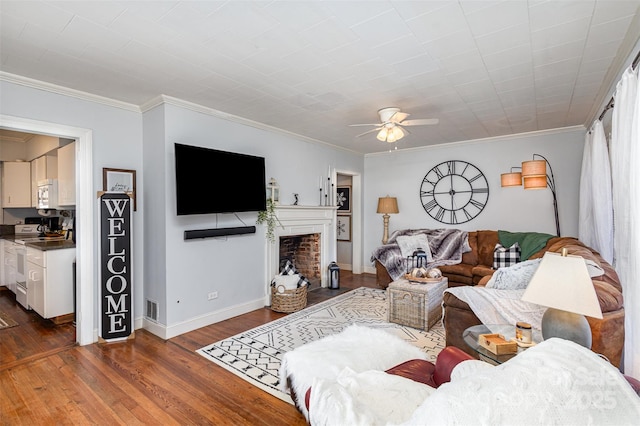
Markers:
{"x": 212, "y": 295}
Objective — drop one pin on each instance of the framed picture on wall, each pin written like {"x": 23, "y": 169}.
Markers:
{"x": 343, "y": 231}
{"x": 120, "y": 180}
{"x": 343, "y": 199}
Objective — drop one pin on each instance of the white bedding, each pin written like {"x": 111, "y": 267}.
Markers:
{"x": 555, "y": 382}
{"x": 358, "y": 347}
{"x": 368, "y": 398}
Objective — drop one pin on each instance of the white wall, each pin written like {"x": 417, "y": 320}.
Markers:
{"x": 400, "y": 173}
{"x": 155, "y": 244}
{"x": 178, "y": 274}
{"x": 168, "y": 270}
{"x": 181, "y": 273}
{"x": 117, "y": 136}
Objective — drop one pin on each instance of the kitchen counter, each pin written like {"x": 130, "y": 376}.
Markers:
{"x": 45, "y": 244}
{"x": 51, "y": 244}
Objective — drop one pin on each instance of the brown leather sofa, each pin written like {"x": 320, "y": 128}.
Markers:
{"x": 476, "y": 264}
{"x": 607, "y": 333}
{"x": 476, "y": 269}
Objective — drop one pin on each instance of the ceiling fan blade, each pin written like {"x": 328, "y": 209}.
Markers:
{"x": 398, "y": 117}
{"x": 420, "y": 122}
{"x": 364, "y": 124}
{"x": 369, "y": 131}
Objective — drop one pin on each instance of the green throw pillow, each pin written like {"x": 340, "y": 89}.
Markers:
{"x": 529, "y": 242}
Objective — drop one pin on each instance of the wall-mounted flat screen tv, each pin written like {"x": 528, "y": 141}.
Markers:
{"x": 213, "y": 181}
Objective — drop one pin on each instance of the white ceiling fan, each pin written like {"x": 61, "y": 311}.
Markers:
{"x": 392, "y": 123}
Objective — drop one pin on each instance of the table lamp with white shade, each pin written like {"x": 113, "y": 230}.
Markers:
{"x": 387, "y": 205}
{"x": 562, "y": 284}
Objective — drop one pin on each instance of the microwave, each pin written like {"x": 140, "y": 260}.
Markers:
{"x": 48, "y": 194}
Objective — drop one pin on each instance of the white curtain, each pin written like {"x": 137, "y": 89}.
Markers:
{"x": 625, "y": 164}
{"x": 585, "y": 218}
{"x": 595, "y": 225}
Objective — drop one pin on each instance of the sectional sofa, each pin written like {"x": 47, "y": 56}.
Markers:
{"x": 476, "y": 268}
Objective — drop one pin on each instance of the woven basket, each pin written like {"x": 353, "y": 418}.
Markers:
{"x": 288, "y": 301}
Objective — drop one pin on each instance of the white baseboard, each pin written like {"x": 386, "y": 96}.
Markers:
{"x": 138, "y": 323}
{"x": 370, "y": 269}
{"x": 167, "y": 332}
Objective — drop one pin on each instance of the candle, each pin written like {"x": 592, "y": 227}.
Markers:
{"x": 332, "y": 202}
{"x": 523, "y": 332}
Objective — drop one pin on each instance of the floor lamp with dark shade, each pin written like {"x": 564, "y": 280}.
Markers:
{"x": 387, "y": 205}
{"x": 535, "y": 176}
{"x": 562, "y": 284}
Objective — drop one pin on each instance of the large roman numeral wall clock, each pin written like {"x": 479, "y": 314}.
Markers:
{"x": 454, "y": 192}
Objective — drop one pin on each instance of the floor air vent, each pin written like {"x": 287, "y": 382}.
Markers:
{"x": 152, "y": 310}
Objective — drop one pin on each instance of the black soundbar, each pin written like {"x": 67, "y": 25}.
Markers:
{"x": 218, "y": 232}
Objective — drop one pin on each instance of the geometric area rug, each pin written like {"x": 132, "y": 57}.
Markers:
{"x": 6, "y": 321}
{"x": 255, "y": 355}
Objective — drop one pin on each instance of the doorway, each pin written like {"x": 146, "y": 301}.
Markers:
{"x": 349, "y": 244}
{"x": 85, "y": 304}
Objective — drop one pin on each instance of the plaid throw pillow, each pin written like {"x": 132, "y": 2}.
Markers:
{"x": 289, "y": 269}
{"x": 505, "y": 256}
{"x": 303, "y": 281}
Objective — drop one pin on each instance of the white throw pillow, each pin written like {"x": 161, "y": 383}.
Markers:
{"x": 517, "y": 277}
{"x": 410, "y": 243}
{"x": 594, "y": 269}
{"x": 289, "y": 282}
{"x": 514, "y": 277}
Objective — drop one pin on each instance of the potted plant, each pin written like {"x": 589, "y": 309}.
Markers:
{"x": 269, "y": 218}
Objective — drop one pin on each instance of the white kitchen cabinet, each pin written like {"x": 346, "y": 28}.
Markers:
{"x": 67, "y": 175}
{"x": 16, "y": 184}
{"x": 44, "y": 167}
{"x": 50, "y": 281}
{"x": 10, "y": 263}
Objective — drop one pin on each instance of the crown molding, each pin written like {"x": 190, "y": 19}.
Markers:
{"x": 61, "y": 90}
{"x": 510, "y": 137}
{"x": 168, "y": 100}
{"x": 159, "y": 100}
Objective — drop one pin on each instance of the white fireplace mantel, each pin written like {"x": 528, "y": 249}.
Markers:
{"x": 303, "y": 220}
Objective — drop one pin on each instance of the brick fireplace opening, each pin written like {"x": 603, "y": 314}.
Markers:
{"x": 296, "y": 222}
{"x": 304, "y": 252}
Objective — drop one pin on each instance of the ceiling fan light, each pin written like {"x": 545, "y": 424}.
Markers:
{"x": 386, "y": 113}
{"x": 391, "y": 127}
{"x": 394, "y": 134}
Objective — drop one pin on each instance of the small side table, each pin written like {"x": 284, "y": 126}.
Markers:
{"x": 416, "y": 305}
{"x": 471, "y": 334}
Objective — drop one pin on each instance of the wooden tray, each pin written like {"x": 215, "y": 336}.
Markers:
{"x": 422, "y": 280}
{"x": 497, "y": 344}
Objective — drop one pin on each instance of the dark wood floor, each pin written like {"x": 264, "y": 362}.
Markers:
{"x": 46, "y": 379}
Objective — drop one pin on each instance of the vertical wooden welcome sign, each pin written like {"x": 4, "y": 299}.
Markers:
{"x": 116, "y": 313}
